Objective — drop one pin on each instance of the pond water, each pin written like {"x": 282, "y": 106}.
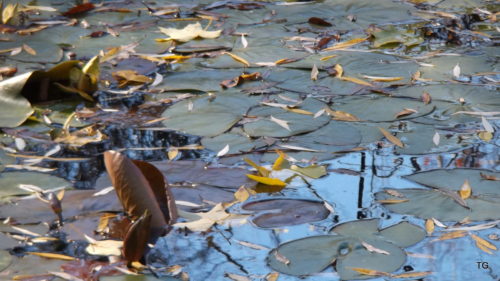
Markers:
{"x": 397, "y": 100}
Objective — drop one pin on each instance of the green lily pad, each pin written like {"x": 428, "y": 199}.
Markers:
{"x": 349, "y": 249}
{"x": 136, "y": 278}
{"x": 14, "y": 108}
{"x": 419, "y": 140}
{"x": 298, "y": 123}
{"x": 208, "y": 117}
{"x": 274, "y": 213}
{"x": 5, "y": 160}
{"x": 5, "y": 259}
{"x": 9, "y": 182}
{"x": 238, "y": 143}
{"x": 453, "y": 179}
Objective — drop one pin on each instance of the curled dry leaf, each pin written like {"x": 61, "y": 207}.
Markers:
{"x": 140, "y": 186}
{"x": 189, "y": 32}
{"x": 391, "y": 138}
{"x": 426, "y": 98}
{"x": 405, "y": 112}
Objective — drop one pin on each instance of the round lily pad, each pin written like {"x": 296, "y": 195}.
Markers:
{"x": 419, "y": 140}
{"x": 273, "y": 213}
{"x": 9, "y": 182}
{"x": 206, "y": 116}
{"x": 297, "y": 123}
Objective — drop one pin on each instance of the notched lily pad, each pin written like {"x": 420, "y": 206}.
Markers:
{"x": 273, "y": 213}
{"x": 349, "y": 249}
{"x": 442, "y": 201}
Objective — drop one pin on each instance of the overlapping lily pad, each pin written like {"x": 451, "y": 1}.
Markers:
{"x": 208, "y": 116}
{"x": 442, "y": 202}
{"x": 9, "y": 182}
{"x": 313, "y": 254}
{"x": 273, "y": 213}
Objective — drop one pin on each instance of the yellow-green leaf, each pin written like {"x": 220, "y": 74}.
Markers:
{"x": 267, "y": 181}
{"x": 261, "y": 170}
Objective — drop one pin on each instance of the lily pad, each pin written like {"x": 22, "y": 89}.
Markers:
{"x": 349, "y": 249}
{"x": 392, "y": 35}
{"x": 419, "y": 140}
{"x": 297, "y": 123}
{"x": 5, "y": 160}
{"x": 9, "y": 182}
{"x": 5, "y": 259}
{"x": 238, "y": 143}
{"x": 207, "y": 117}
{"x": 272, "y": 213}
{"x": 453, "y": 179}
{"x": 128, "y": 277}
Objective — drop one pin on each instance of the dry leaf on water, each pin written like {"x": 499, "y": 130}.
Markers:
{"x": 391, "y": 138}
{"x": 466, "y": 190}
{"x": 429, "y": 226}
{"x": 314, "y": 73}
{"x": 189, "y": 32}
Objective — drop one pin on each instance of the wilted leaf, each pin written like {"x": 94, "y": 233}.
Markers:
{"x": 374, "y": 249}
{"x": 273, "y": 276}
{"x": 137, "y": 237}
{"x": 189, "y": 32}
{"x": 242, "y": 194}
{"x": 412, "y": 274}
{"x": 280, "y": 122}
{"x": 355, "y": 80}
{"x": 238, "y": 59}
{"x": 382, "y": 79}
{"x": 82, "y": 8}
{"x": 204, "y": 221}
{"x": 261, "y": 170}
{"x": 341, "y": 115}
{"x": 244, "y": 41}
{"x": 426, "y": 98}
{"x": 436, "y": 138}
{"x": 319, "y": 21}
{"x": 465, "y": 191}
{"x": 140, "y": 186}
{"x": 313, "y": 171}
{"x": 456, "y": 71}
{"x": 345, "y": 44}
{"x": 451, "y": 235}
{"x": 267, "y": 180}
{"x": 405, "y": 112}
{"x": 390, "y": 137}
{"x": 223, "y": 151}
{"x": 236, "y": 277}
{"x": 104, "y": 248}
{"x": 489, "y": 177}
{"x": 429, "y": 226}
{"x": 52, "y": 256}
{"x": 369, "y": 272}
{"x": 29, "y": 50}
{"x": 9, "y": 12}
{"x": 314, "y": 73}
{"x": 483, "y": 244}
{"x": 130, "y": 77}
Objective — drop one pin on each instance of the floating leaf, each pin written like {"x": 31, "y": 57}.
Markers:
{"x": 204, "y": 221}
{"x": 435, "y": 139}
{"x": 314, "y": 73}
{"x": 405, "y": 112}
{"x": 318, "y": 21}
{"x": 280, "y": 122}
{"x": 189, "y": 32}
{"x": 137, "y": 237}
{"x": 238, "y": 59}
{"x": 412, "y": 274}
{"x": 345, "y": 44}
{"x": 487, "y": 126}
{"x": 390, "y": 137}
{"x": 130, "y": 77}
{"x": 313, "y": 171}
{"x": 244, "y": 41}
{"x": 382, "y": 79}
{"x": 456, "y": 71}
{"x": 52, "y": 256}
{"x": 429, "y": 226}
{"x": 79, "y": 9}
{"x": 465, "y": 191}
{"x": 355, "y": 80}
{"x": 267, "y": 180}
{"x": 426, "y": 98}
{"x": 484, "y": 243}
{"x": 223, "y": 151}
{"x": 272, "y": 213}
{"x": 369, "y": 272}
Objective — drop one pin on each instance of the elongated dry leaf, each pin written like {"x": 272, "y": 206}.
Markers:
{"x": 238, "y": 59}
{"x": 29, "y": 50}
{"x": 382, "y": 79}
{"x": 223, "y": 151}
{"x": 489, "y": 177}
{"x": 140, "y": 186}
{"x": 279, "y": 257}
{"x": 487, "y": 126}
{"x": 436, "y": 138}
{"x": 356, "y": 80}
{"x": 438, "y": 223}
{"x": 244, "y": 41}
{"x": 369, "y": 272}
{"x": 137, "y": 238}
{"x": 341, "y": 115}
{"x": 392, "y": 201}
{"x": 345, "y": 44}
{"x": 280, "y": 122}
{"x": 412, "y": 274}
{"x": 450, "y": 235}
{"x": 391, "y": 138}
{"x": 456, "y": 71}
{"x": 52, "y": 256}
{"x": 394, "y": 193}
{"x": 314, "y": 73}
{"x": 465, "y": 191}
{"x": 429, "y": 226}
{"x": 405, "y": 112}
{"x": 267, "y": 181}
{"x": 483, "y": 242}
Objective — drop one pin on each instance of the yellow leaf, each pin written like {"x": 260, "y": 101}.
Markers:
{"x": 313, "y": 171}
{"x": 391, "y": 138}
{"x": 74, "y": 91}
{"x": 51, "y": 256}
{"x": 369, "y": 272}
{"x": 412, "y": 274}
{"x": 130, "y": 77}
{"x": 481, "y": 241}
{"x": 238, "y": 59}
{"x": 279, "y": 161}
{"x": 273, "y": 276}
{"x": 484, "y": 248}
{"x": 465, "y": 191}
{"x": 267, "y": 181}
{"x": 261, "y": 170}
{"x": 356, "y": 80}
{"x": 382, "y": 79}
{"x": 345, "y": 44}
{"x": 451, "y": 235}
{"x": 242, "y": 194}
{"x": 485, "y": 135}
{"x": 429, "y": 226}
{"x": 299, "y": 111}
{"x": 172, "y": 153}
{"x": 327, "y": 57}
{"x": 189, "y": 32}
{"x": 341, "y": 115}
{"x": 9, "y": 12}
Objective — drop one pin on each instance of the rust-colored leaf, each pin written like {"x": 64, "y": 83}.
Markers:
{"x": 319, "y": 21}
{"x": 392, "y": 201}
{"x": 391, "y": 138}
{"x": 137, "y": 238}
{"x": 8, "y": 71}
{"x": 140, "y": 186}
{"x": 82, "y": 8}
{"x": 489, "y": 177}
{"x": 426, "y": 98}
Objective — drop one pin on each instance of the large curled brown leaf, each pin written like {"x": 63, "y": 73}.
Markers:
{"x": 136, "y": 240}
{"x": 140, "y": 187}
